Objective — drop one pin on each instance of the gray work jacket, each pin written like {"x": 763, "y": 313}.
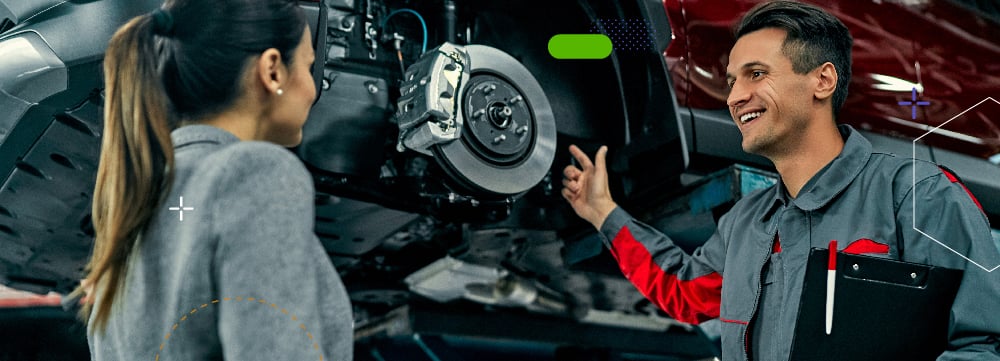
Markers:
{"x": 749, "y": 274}
{"x": 242, "y": 277}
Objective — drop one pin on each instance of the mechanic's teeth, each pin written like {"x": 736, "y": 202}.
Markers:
{"x": 749, "y": 116}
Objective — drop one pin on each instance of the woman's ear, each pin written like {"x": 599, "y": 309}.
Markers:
{"x": 271, "y": 71}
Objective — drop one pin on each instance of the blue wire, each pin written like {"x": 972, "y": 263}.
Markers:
{"x": 423, "y": 24}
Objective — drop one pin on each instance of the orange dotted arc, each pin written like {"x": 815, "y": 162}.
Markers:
{"x": 284, "y": 311}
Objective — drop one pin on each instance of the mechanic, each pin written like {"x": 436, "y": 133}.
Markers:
{"x": 788, "y": 73}
{"x": 200, "y": 97}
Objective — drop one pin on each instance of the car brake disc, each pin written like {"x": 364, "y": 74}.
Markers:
{"x": 508, "y": 135}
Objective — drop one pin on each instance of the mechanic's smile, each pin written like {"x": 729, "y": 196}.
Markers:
{"x": 749, "y": 117}
{"x": 744, "y": 118}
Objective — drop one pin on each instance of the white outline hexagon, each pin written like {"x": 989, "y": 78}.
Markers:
{"x": 913, "y": 159}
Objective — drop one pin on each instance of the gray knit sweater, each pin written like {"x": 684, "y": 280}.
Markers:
{"x": 242, "y": 276}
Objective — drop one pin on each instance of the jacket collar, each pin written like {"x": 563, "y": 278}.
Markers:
{"x": 194, "y": 134}
{"x": 832, "y": 179}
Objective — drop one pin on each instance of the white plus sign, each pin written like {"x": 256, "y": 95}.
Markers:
{"x": 182, "y": 208}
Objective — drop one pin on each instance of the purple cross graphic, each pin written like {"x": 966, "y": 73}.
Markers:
{"x": 914, "y": 103}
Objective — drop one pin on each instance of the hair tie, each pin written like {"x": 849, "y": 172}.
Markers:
{"x": 163, "y": 22}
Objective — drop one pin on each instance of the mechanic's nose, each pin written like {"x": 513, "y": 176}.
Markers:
{"x": 737, "y": 96}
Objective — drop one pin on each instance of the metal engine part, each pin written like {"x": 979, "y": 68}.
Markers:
{"x": 446, "y": 279}
{"x": 428, "y": 112}
{"x": 347, "y": 128}
{"x": 482, "y": 115}
{"x": 514, "y": 291}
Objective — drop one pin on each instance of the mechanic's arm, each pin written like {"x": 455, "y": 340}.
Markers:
{"x": 687, "y": 287}
{"x": 267, "y": 250}
{"x": 945, "y": 211}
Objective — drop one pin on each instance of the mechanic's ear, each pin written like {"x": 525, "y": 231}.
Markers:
{"x": 270, "y": 70}
{"x": 826, "y": 76}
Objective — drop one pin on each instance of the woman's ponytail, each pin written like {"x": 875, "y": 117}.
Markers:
{"x": 136, "y": 156}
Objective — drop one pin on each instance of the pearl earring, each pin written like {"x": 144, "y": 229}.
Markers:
{"x": 280, "y": 91}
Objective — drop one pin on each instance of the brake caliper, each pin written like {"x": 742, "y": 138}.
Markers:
{"x": 429, "y": 111}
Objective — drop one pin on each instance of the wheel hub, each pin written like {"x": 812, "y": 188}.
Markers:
{"x": 497, "y": 119}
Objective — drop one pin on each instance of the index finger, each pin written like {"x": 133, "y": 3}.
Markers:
{"x": 581, "y": 157}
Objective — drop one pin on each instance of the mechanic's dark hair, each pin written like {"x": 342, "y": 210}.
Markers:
{"x": 814, "y": 37}
{"x": 183, "y": 62}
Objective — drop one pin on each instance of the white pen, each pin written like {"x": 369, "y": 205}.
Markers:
{"x": 831, "y": 280}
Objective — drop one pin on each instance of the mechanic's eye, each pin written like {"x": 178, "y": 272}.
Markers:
{"x": 731, "y": 83}
{"x": 757, "y": 73}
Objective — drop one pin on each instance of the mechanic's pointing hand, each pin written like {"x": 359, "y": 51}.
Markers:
{"x": 587, "y": 189}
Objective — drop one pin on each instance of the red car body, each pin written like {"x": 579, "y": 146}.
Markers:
{"x": 947, "y": 50}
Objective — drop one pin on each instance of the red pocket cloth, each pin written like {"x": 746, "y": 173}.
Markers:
{"x": 865, "y": 245}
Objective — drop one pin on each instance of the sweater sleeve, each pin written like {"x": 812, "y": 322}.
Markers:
{"x": 281, "y": 298}
{"x": 687, "y": 287}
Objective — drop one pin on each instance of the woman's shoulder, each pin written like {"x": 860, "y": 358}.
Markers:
{"x": 256, "y": 153}
{"x": 254, "y": 164}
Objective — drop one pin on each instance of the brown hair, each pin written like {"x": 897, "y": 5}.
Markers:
{"x": 136, "y": 155}
{"x": 181, "y": 62}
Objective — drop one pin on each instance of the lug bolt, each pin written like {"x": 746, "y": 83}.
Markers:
{"x": 523, "y": 129}
{"x": 516, "y": 100}
{"x": 489, "y": 88}
{"x": 479, "y": 113}
{"x": 499, "y": 138}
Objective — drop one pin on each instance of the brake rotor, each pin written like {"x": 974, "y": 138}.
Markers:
{"x": 508, "y": 137}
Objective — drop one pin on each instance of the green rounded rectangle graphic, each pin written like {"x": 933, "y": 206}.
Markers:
{"x": 580, "y": 46}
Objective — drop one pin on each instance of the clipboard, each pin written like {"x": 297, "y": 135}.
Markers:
{"x": 883, "y": 309}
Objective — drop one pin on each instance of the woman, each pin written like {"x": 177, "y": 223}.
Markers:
{"x": 204, "y": 246}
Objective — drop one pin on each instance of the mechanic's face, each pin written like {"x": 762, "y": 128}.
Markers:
{"x": 292, "y": 107}
{"x": 768, "y": 101}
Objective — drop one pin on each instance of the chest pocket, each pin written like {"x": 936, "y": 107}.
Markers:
{"x": 868, "y": 247}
